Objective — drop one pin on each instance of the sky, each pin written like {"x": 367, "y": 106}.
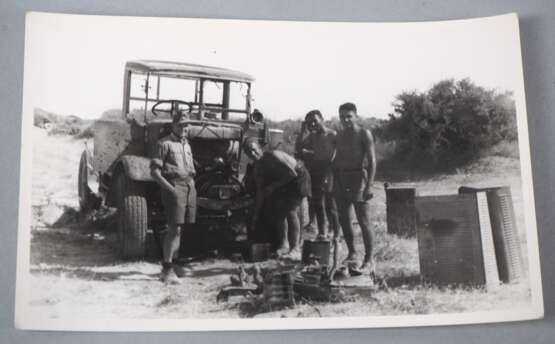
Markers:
{"x": 74, "y": 64}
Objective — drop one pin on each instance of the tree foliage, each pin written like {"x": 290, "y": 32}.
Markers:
{"x": 448, "y": 125}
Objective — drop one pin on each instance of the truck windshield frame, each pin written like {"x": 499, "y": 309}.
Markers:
{"x": 152, "y": 91}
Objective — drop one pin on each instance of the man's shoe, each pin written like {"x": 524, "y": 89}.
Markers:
{"x": 294, "y": 254}
{"x": 351, "y": 258}
{"x": 283, "y": 250}
{"x": 179, "y": 270}
{"x": 310, "y": 228}
{"x": 168, "y": 276}
{"x": 322, "y": 237}
{"x": 368, "y": 267}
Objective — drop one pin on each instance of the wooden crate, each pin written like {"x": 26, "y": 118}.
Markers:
{"x": 401, "y": 213}
{"x": 455, "y": 240}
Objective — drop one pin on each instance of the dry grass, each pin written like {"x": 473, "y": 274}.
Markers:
{"x": 75, "y": 273}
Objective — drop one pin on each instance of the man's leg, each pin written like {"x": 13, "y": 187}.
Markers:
{"x": 278, "y": 223}
{"x": 311, "y": 215}
{"x": 362, "y": 210}
{"x": 170, "y": 248}
{"x": 293, "y": 230}
{"x": 282, "y": 235}
{"x": 332, "y": 215}
{"x": 344, "y": 210}
{"x": 319, "y": 209}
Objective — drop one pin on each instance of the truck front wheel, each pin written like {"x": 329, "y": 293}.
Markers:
{"x": 132, "y": 217}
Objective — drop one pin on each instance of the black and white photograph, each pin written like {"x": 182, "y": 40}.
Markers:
{"x": 188, "y": 174}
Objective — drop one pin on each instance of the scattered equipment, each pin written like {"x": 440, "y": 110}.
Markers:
{"x": 278, "y": 289}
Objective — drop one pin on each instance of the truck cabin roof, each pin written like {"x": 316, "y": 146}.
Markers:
{"x": 186, "y": 70}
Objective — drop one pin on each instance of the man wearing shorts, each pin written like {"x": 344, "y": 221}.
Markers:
{"x": 281, "y": 184}
{"x": 354, "y": 168}
{"x": 173, "y": 169}
{"x": 317, "y": 153}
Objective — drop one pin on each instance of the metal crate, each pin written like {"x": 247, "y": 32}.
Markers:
{"x": 505, "y": 236}
{"x": 401, "y": 214}
{"x": 455, "y": 241}
{"x": 278, "y": 289}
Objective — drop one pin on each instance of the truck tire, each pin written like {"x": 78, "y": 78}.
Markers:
{"x": 132, "y": 217}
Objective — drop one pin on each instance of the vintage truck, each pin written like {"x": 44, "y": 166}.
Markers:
{"x": 218, "y": 105}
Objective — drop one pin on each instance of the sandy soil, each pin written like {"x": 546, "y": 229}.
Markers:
{"x": 76, "y": 273}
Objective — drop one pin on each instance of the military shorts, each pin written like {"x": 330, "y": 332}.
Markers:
{"x": 349, "y": 184}
{"x": 180, "y": 207}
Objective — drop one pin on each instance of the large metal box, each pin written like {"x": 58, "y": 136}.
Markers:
{"x": 505, "y": 236}
{"x": 278, "y": 289}
{"x": 401, "y": 214}
{"x": 455, "y": 241}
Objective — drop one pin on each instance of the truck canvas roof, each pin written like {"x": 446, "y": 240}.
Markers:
{"x": 187, "y": 70}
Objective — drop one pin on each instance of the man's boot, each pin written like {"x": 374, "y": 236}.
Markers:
{"x": 179, "y": 270}
{"x": 168, "y": 276}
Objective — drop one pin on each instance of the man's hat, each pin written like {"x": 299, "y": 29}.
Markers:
{"x": 179, "y": 118}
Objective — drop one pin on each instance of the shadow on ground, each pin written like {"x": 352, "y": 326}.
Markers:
{"x": 88, "y": 274}
{"x": 72, "y": 248}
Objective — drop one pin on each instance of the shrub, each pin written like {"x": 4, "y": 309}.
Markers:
{"x": 449, "y": 125}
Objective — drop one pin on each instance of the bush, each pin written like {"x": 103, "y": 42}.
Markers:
{"x": 449, "y": 125}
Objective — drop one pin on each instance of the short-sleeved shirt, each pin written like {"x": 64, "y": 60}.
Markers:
{"x": 174, "y": 157}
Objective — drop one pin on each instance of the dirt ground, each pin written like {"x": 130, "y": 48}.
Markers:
{"x": 76, "y": 273}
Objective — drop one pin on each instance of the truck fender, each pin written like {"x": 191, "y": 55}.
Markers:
{"x": 136, "y": 167}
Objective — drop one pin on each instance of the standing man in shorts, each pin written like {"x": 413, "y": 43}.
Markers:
{"x": 302, "y": 144}
{"x": 173, "y": 169}
{"x": 317, "y": 153}
{"x": 354, "y": 168}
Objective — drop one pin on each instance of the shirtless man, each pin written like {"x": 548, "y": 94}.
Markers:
{"x": 317, "y": 152}
{"x": 354, "y": 168}
{"x": 281, "y": 184}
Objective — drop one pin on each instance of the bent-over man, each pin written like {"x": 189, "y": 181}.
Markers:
{"x": 173, "y": 169}
{"x": 317, "y": 152}
{"x": 354, "y": 168}
{"x": 281, "y": 184}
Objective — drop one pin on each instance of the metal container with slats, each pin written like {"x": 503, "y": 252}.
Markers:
{"x": 455, "y": 242}
{"x": 278, "y": 289}
{"x": 400, "y": 210}
{"x": 505, "y": 236}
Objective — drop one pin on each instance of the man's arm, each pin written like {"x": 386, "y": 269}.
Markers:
{"x": 370, "y": 153}
{"x": 301, "y": 152}
{"x": 156, "y": 165}
{"x": 299, "y": 143}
